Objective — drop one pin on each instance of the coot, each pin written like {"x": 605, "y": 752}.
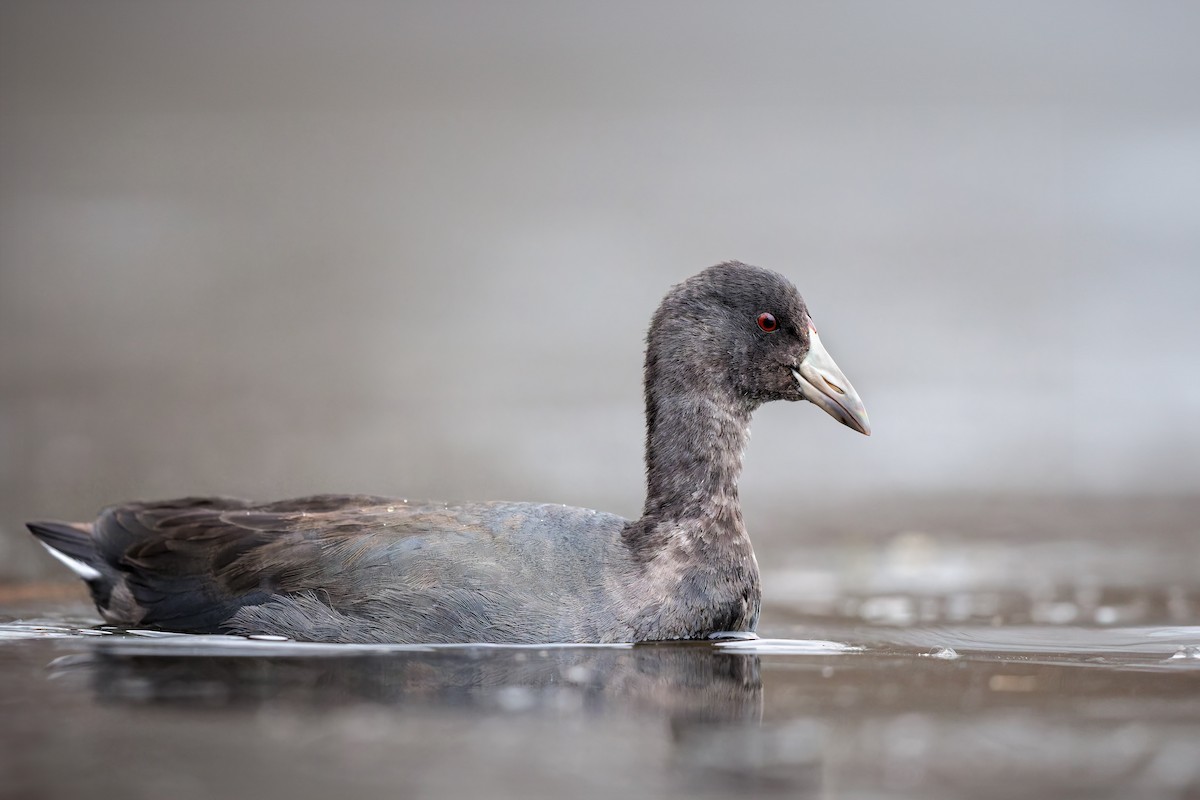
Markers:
{"x": 356, "y": 568}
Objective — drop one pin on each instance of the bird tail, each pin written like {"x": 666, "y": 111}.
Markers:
{"x": 73, "y": 546}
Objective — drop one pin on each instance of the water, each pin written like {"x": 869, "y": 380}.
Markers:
{"x": 857, "y": 712}
{"x": 915, "y": 664}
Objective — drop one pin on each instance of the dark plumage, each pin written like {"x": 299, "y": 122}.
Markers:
{"x": 374, "y": 569}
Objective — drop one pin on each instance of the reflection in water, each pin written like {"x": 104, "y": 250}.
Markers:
{"x": 903, "y": 712}
{"x": 753, "y": 718}
{"x": 915, "y": 726}
{"x": 685, "y": 682}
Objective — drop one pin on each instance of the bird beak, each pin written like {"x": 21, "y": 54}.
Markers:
{"x": 821, "y": 382}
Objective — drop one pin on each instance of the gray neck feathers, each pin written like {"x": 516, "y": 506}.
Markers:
{"x": 697, "y": 425}
{"x": 694, "y": 446}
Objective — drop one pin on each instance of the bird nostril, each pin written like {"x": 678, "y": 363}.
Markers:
{"x": 833, "y": 385}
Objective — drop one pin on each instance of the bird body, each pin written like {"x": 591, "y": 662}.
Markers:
{"x": 353, "y": 568}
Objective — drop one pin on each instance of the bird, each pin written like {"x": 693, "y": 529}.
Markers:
{"x": 370, "y": 569}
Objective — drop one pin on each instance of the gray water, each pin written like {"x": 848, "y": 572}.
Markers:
{"x": 917, "y": 663}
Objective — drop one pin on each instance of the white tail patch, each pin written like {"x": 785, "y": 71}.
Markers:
{"x": 85, "y": 571}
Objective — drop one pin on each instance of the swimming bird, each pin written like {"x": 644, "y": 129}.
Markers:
{"x": 356, "y": 568}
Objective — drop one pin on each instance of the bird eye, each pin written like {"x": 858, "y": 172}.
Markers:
{"x": 767, "y": 322}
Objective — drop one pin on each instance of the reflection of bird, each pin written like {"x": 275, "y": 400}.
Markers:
{"x": 687, "y": 683}
{"x": 373, "y": 569}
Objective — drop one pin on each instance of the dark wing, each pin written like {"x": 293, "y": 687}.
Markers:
{"x": 191, "y": 564}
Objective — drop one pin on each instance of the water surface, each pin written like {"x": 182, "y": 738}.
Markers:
{"x": 916, "y": 665}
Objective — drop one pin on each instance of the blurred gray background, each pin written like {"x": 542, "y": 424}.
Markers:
{"x": 274, "y": 248}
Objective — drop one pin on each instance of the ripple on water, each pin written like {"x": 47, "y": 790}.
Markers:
{"x": 1134, "y": 647}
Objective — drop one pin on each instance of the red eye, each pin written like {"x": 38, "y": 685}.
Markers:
{"x": 767, "y": 322}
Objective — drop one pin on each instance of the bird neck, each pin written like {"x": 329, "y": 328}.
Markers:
{"x": 694, "y": 445}
{"x": 697, "y": 571}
